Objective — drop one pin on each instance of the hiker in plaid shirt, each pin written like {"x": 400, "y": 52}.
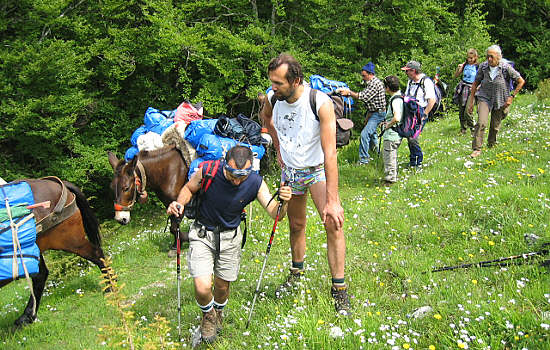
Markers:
{"x": 373, "y": 96}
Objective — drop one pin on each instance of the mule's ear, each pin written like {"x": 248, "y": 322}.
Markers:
{"x": 132, "y": 164}
{"x": 113, "y": 160}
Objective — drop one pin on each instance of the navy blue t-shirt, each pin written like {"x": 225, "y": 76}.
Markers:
{"x": 223, "y": 202}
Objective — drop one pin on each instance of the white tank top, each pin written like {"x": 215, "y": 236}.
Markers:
{"x": 298, "y": 130}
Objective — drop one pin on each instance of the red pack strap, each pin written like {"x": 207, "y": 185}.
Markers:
{"x": 212, "y": 174}
{"x": 211, "y": 171}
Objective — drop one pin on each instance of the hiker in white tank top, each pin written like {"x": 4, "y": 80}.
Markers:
{"x": 299, "y": 131}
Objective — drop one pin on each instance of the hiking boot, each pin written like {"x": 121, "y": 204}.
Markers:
{"x": 475, "y": 154}
{"x": 208, "y": 326}
{"x": 341, "y": 300}
{"x": 291, "y": 281}
{"x": 219, "y": 320}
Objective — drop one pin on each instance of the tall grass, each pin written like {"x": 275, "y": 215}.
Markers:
{"x": 454, "y": 210}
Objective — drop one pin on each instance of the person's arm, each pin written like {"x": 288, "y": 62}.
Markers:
{"x": 459, "y": 70}
{"x": 186, "y": 192}
{"x": 267, "y": 117}
{"x": 429, "y": 96}
{"x": 333, "y": 209}
{"x": 519, "y": 85}
{"x": 471, "y": 97}
{"x": 285, "y": 193}
{"x": 348, "y": 92}
{"x": 397, "y": 110}
{"x": 431, "y": 103}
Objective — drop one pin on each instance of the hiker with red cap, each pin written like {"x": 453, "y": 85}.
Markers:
{"x": 421, "y": 89}
{"x": 373, "y": 95}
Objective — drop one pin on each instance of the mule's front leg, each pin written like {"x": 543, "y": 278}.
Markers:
{"x": 38, "y": 283}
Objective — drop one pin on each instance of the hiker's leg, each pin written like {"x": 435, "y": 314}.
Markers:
{"x": 416, "y": 157}
{"x": 462, "y": 117}
{"x": 390, "y": 160}
{"x": 496, "y": 119}
{"x": 372, "y": 125}
{"x": 336, "y": 242}
{"x": 364, "y": 145}
{"x": 203, "y": 291}
{"x": 481, "y": 125}
{"x": 296, "y": 213}
{"x": 469, "y": 119}
{"x": 221, "y": 290}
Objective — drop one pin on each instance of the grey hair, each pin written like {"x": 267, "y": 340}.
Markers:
{"x": 495, "y": 48}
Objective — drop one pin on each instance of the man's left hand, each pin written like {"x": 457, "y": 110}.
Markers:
{"x": 509, "y": 100}
{"x": 285, "y": 193}
{"x": 335, "y": 213}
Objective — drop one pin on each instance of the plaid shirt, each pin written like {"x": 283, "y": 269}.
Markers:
{"x": 374, "y": 95}
{"x": 495, "y": 91}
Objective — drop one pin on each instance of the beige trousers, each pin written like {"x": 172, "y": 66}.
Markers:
{"x": 497, "y": 115}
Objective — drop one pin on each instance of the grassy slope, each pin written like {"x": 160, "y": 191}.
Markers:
{"x": 453, "y": 211}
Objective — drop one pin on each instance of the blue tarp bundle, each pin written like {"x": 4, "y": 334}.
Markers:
{"x": 17, "y": 193}
{"x": 154, "y": 120}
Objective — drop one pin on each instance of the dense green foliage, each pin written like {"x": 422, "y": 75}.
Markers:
{"x": 77, "y": 76}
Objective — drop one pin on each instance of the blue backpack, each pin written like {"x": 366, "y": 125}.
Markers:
{"x": 411, "y": 123}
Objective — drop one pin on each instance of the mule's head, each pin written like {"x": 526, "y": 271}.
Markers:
{"x": 123, "y": 186}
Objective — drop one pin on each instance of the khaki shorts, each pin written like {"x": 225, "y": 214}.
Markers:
{"x": 201, "y": 257}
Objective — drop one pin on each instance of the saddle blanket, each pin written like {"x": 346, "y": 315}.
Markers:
{"x": 14, "y": 194}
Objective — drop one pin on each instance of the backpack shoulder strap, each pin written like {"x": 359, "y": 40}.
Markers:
{"x": 313, "y": 102}
{"x": 422, "y": 86}
{"x": 210, "y": 174}
{"x": 273, "y": 100}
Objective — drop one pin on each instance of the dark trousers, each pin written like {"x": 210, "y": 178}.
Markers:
{"x": 416, "y": 156}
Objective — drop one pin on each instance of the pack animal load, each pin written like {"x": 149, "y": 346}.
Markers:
{"x": 342, "y": 105}
{"x": 19, "y": 254}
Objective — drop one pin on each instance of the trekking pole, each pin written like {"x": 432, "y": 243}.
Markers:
{"x": 178, "y": 270}
{"x": 265, "y": 261}
{"x": 496, "y": 262}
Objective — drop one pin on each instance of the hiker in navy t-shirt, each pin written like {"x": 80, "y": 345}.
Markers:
{"x": 215, "y": 237}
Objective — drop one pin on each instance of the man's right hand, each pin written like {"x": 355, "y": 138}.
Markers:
{"x": 175, "y": 208}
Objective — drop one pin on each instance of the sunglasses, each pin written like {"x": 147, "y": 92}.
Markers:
{"x": 491, "y": 56}
{"x": 238, "y": 173}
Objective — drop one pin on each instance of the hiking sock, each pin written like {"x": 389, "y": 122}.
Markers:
{"x": 339, "y": 283}
{"x": 218, "y": 306}
{"x": 297, "y": 266}
{"x": 206, "y": 308}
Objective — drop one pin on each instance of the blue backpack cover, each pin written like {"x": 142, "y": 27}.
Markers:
{"x": 197, "y": 128}
{"x": 328, "y": 86}
{"x": 18, "y": 193}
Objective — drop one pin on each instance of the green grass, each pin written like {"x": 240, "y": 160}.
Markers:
{"x": 455, "y": 210}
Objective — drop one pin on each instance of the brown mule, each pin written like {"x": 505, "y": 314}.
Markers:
{"x": 69, "y": 225}
{"x": 163, "y": 171}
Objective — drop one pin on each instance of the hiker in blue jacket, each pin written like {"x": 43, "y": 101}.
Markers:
{"x": 493, "y": 97}
{"x": 423, "y": 90}
{"x": 468, "y": 70}
{"x": 215, "y": 237}
{"x": 374, "y": 98}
